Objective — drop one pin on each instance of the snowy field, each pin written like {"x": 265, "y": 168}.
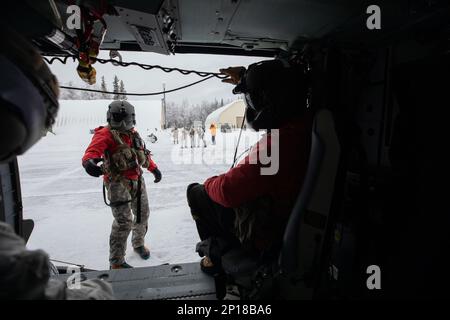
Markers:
{"x": 72, "y": 223}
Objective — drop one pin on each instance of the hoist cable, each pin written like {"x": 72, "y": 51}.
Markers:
{"x": 202, "y": 74}
{"x": 137, "y": 94}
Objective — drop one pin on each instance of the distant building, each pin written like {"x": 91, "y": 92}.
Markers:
{"x": 231, "y": 114}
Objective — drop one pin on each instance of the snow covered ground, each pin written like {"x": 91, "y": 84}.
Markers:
{"x": 72, "y": 221}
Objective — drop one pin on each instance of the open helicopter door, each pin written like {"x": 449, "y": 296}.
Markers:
{"x": 11, "y": 200}
{"x": 309, "y": 222}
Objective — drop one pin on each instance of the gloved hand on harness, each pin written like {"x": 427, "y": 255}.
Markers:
{"x": 92, "y": 168}
{"x": 157, "y": 174}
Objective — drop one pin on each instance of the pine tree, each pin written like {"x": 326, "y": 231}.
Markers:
{"x": 116, "y": 88}
{"x": 104, "y": 88}
{"x": 122, "y": 90}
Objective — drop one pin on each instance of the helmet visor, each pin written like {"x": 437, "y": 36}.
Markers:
{"x": 119, "y": 116}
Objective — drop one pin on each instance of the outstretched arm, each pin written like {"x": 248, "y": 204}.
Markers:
{"x": 234, "y": 74}
{"x": 95, "y": 151}
{"x": 99, "y": 143}
{"x": 153, "y": 168}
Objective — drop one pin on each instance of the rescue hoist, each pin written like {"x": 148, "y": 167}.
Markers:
{"x": 89, "y": 38}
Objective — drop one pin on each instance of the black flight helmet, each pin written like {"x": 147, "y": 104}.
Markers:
{"x": 121, "y": 115}
{"x": 274, "y": 92}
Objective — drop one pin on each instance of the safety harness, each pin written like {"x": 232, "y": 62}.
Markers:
{"x": 126, "y": 157}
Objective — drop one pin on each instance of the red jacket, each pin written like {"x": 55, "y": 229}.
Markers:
{"x": 103, "y": 141}
{"x": 246, "y": 183}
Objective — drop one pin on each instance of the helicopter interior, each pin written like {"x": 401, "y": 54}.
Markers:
{"x": 364, "y": 201}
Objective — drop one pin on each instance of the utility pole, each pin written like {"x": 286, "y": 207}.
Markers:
{"x": 163, "y": 109}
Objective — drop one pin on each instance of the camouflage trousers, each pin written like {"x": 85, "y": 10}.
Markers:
{"x": 125, "y": 217}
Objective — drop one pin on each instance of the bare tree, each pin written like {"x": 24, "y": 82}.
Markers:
{"x": 185, "y": 114}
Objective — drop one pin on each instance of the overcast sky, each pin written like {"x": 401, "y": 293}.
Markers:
{"x": 139, "y": 80}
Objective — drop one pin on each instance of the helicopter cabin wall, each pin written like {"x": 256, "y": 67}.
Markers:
{"x": 10, "y": 196}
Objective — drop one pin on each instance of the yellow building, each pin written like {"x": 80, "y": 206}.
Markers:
{"x": 231, "y": 114}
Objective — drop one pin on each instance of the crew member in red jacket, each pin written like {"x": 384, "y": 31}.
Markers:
{"x": 123, "y": 153}
{"x": 246, "y": 205}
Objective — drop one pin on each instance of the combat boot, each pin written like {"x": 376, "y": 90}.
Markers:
{"x": 143, "y": 252}
{"x": 123, "y": 265}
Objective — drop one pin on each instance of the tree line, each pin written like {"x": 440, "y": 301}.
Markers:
{"x": 182, "y": 114}
{"x": 118, "y": 86}
{"x": 185, "y": 114}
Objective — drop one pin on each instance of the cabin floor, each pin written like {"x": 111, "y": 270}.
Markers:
{"x": 165, "y": 282}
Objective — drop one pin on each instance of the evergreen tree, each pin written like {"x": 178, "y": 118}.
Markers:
{"x": 116, "y": 89}
{"x": 104, "y": 88}
{"x": 122, "y": 90}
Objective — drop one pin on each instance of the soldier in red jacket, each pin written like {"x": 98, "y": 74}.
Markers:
{"x": 123, "y": 153}
{"x": 247, "y": 206}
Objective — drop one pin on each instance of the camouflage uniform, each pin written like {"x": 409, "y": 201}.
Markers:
{"x": 125, "y": 217}
{"x": 123, "y": 153}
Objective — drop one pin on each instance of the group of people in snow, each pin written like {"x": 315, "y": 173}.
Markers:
{"x": 195, "y": 135}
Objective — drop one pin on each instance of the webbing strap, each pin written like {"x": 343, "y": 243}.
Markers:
{"x": 116, "y": 204}
{"x": 113, "y": 204}
{"x": 138, "y": 195}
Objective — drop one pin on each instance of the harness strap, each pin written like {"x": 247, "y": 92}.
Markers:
{"x": 113, "y": 204}
{"x": 116, "y": 204}
{"x": 138, "y": 195}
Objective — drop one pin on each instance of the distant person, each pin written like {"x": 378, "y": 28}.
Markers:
{"x": 201, "y": 137}
{"x": 184, "y": 137}
{"x": 192, "y": 133}
{"x": 175, "y": 135}
{"x": 243, "y": 206}
{"x": 123, "y": 153}
{"x": 213, "y": 130}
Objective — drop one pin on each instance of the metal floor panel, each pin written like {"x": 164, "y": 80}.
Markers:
{"x": 174, "y": 281}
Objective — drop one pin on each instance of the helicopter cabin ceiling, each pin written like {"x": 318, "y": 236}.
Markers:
{"x": 239, "y": 27}
{"x": 251, "y": 27}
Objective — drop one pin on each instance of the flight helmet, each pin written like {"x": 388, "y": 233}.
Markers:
{"x": 121, "y": 115}
{"x": 274, "y": 92}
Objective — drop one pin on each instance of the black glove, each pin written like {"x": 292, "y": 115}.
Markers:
{"x": 157, "y": 175}
{"x": 92, "y": 168}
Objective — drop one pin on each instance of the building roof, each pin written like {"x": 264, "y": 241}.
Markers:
{"x": 214, "y": 116}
